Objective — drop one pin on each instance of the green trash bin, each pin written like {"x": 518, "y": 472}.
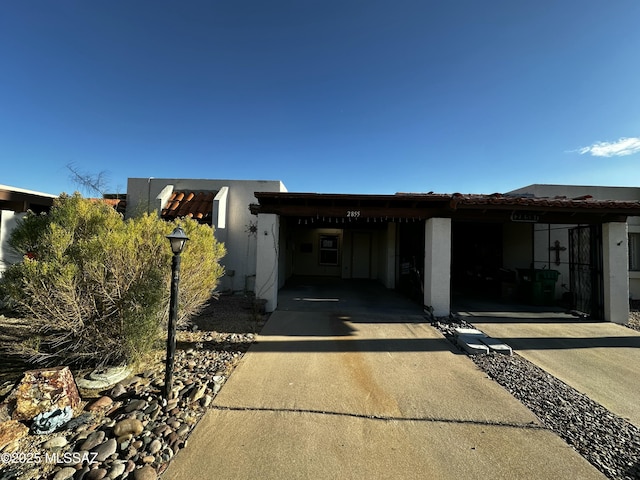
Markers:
{"x": 540, "y": 285}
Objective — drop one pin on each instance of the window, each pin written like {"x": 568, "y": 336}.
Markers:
{"x": 328, "y": 249}
{"x": 634, "y": 251}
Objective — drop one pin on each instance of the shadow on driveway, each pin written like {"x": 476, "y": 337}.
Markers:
{"x": 335, "y": 309}
{"x": 599, "y": 359}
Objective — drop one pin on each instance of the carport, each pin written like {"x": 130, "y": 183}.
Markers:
{"x": 422, "y": 242}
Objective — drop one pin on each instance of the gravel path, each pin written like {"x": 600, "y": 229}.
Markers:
{"x": 607, "y": 441}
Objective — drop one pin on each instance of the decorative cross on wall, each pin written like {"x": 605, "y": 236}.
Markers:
{"x": 557, "y": 248}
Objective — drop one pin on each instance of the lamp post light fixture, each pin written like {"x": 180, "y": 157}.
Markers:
{"x": 177, "y": 238}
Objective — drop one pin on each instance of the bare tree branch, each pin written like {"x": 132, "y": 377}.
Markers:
{"x": 96, "y": 184}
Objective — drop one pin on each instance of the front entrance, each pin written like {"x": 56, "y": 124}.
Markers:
{"x": 345, "y": 252}
{"x": 477, "y": 259}
{"x": 544, "y": 265}
{"x": 361, "y": 255}
{"x": 585, "y": 268}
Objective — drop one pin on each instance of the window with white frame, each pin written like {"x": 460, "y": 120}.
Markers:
{"x": 328, "y": 250}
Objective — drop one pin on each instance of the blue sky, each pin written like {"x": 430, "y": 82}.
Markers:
{"x": 327, "y": 96}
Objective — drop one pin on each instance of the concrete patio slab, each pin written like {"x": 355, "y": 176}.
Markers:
{"x": 291, "y": 445}
{"x": 332, "y": 392}
{"x": 382, "y": 369}
{"x": 599, "y": 359}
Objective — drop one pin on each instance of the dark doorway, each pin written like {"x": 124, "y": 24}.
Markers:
{"x": 476, "y": 258}
{"x": 411, "y": 266}
{"x": 361, "y": 255}
{"x": 585, "y": 268}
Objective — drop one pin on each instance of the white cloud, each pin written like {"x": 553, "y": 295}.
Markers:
{"x": 619, "y": 148}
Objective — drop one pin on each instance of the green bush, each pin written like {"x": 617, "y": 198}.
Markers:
{"x": 97, "y": 287}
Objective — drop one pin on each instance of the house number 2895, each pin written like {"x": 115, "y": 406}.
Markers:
{"x": 353, "y": 213}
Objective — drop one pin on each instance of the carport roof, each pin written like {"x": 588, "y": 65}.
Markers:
{"x": 495, "y": 207}
{"x": 21, "y": 200}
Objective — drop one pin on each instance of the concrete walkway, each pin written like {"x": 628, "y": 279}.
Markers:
{"x": 351, "y": 383}
{"x": 599, "y": 359}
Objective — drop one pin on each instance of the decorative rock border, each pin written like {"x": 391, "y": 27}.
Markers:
{"x": 103, "y": 378}
{"x": 130, "y": 431}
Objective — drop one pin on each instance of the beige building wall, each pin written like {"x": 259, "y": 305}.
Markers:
{"x": 437, "y": 266}
{"x": 233, "y": 223}
{"x": 615, "y": 260}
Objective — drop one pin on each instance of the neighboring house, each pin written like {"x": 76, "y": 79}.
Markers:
{"x": 223, "y": 204}
{"x": 595, "y": 193}
{"x": 14, "y": 204}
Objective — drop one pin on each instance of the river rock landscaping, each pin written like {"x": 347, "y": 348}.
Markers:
{"x": 129, "y": 430}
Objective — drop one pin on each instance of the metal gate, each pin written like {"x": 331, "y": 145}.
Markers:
{"x": 585, "y": 270}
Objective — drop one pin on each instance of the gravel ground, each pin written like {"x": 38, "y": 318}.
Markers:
{"x": 634, "y": 320}
{"x": 607, "y": 441}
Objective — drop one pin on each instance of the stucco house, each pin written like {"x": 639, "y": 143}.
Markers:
{"x": 14, "y": 204}
{"x": 541, "y": 244}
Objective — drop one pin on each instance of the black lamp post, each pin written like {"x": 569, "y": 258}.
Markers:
{"x": 177, "y": 239}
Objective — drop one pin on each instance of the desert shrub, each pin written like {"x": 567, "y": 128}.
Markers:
{"x": 97, "y": 286}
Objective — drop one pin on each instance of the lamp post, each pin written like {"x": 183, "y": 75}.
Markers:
{"x": 177, "y": 238}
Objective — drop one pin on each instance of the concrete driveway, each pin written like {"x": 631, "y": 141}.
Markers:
{"x": 599, "y": 359}
{"x": 348, "y": 381}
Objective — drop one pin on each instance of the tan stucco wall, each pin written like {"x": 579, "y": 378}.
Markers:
{"x": 240, "y": 261}
{"x": 437, "y": 265}
{"x": 614, "y": 265}
{"x": 308, "y": 263}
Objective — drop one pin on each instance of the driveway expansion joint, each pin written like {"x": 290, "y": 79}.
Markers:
{"x": 385, "y": 418}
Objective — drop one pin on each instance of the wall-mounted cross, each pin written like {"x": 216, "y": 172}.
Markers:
{"x": 557, "y": 248}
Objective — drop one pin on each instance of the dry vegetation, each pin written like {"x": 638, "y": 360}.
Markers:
{"x": 13, "y": 331}
{"x": 97, "y": 287}
{"x": 222, "y": 317}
